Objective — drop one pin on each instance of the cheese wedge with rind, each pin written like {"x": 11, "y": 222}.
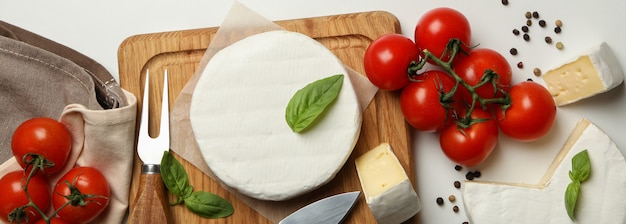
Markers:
{"x": 237, "y": 115}
{"x": 388, "y": 190}
{"x": 593, "y": 72}
{"x": 601, "y": 200}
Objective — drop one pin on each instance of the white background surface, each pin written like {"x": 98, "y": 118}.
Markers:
{"x": 96, "y": 28}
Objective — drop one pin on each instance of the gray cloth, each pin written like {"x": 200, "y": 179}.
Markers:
{"x": 39, "y": 77}
{"x": 36, "y": 82}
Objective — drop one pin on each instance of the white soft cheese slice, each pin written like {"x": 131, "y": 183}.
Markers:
{"x": 237, "y": 115}
{"x": 388, "y": 190}
{"x": 593, "y": 72}
{"x": 602, "y": 199}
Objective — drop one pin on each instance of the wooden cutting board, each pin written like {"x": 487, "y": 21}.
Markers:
{"x": 346, "y": 35}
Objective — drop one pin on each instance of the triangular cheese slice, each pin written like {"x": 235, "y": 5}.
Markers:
{"x": 601, "y": 199}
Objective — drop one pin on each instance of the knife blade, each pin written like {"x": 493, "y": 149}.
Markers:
{"x": 330, "y": 210}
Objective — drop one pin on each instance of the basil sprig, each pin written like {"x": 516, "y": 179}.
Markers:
{"x": 308, "y": 103}
{"x": 205, "y": 204}
{"x": 581, "y": 168}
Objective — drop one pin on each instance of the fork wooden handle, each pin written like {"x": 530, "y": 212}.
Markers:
{"x": 151, "y": 204}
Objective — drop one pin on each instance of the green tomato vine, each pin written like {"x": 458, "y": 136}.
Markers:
{"x": 454, "y": 48}
{"x": 76, "y": 197}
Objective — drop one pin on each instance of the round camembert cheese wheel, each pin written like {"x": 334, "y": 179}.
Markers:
{"x": 237, "y": 116}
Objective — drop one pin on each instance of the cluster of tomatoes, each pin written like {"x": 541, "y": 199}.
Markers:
{"x": 42, "y": 147}
{"x": 461, "y": 91}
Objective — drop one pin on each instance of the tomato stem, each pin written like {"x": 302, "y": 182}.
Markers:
{"x": 489, "y": 77}
{"x": 19, "y": 214}
{"x": 75, "y": 197}
{"x": 36, "y": 161}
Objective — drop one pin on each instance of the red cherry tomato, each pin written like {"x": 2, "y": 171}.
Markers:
{"x": 53, "y": 220}
{"x": 531, "y": 114}
{"x": 387, "y": 60}
{"x": 472, "y": 67}
{"x": 14, "y": 197}
{"x": 436, "y": 27}
{"x": 470, "y": 146}
{"x": 420, "y": 101}
{"x": 45, "y": 137}
{"x": 90, "y": 192}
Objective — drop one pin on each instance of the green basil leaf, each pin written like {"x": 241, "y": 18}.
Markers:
{"x": 310, "y": 102}
{"x": 581, "y": 166}
{"x": 208, "y": 205}
{"x": 174, "y": 176}
{"x": 571, "y": 196}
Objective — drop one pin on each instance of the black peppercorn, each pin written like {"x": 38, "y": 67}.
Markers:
{"x": 526, "y": 37}
{"x": 457, "y": 184}
{"x": 516, "y": 32}
{"x": 455, "y": 208}
{"x": 513, "y": 51}
{"x": 548, "y": 39}
{"x": 469, "y": 176}
{"x": 458, "y": 167}
{"x": 525, "y": 29}
{"x": 535, "y": 14}
{"x": 542, "y": 23}
{"x": 440, "y": 201}
{"x": 477, "y": 174}
{"x": 505, "y": 2}
{"x": 557, "y": 29}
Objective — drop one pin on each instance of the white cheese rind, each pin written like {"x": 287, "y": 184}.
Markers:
{"x": 601, "y": 200}
{"x": 593, "y": 72}
{"x": 237, "y": 115}
{"x": 395, "y": 205}
{"x": 388, "y": 190}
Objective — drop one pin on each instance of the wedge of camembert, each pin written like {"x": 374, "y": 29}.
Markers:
{"x": 388, "y": 190}
{"x": 601, "y": 199}
{"x": 593, "y": 72}
{"x": 237, "y": 115}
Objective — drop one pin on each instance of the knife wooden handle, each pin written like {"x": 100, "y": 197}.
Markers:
{"x": 151, "y": 202}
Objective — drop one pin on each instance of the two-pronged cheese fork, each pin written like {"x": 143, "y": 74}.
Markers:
{"x": 151, "y": 204}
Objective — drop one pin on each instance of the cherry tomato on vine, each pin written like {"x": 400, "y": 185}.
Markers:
{"x": 470, "y": 146}
{"x": 420, "y": 101}
{"x": 89, "y": 191}
{"x": 387, "y": 60}
{"x": 471, "y": 69}
{"x": 45, "y": 137}
{"x": 436, "y": 27}
{"x": 53, "y": 220}
{"x": 14, "y": 197}
{"x": 531, "y": 113}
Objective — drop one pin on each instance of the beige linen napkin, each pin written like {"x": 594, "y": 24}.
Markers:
{"x": 103, "y": 139}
